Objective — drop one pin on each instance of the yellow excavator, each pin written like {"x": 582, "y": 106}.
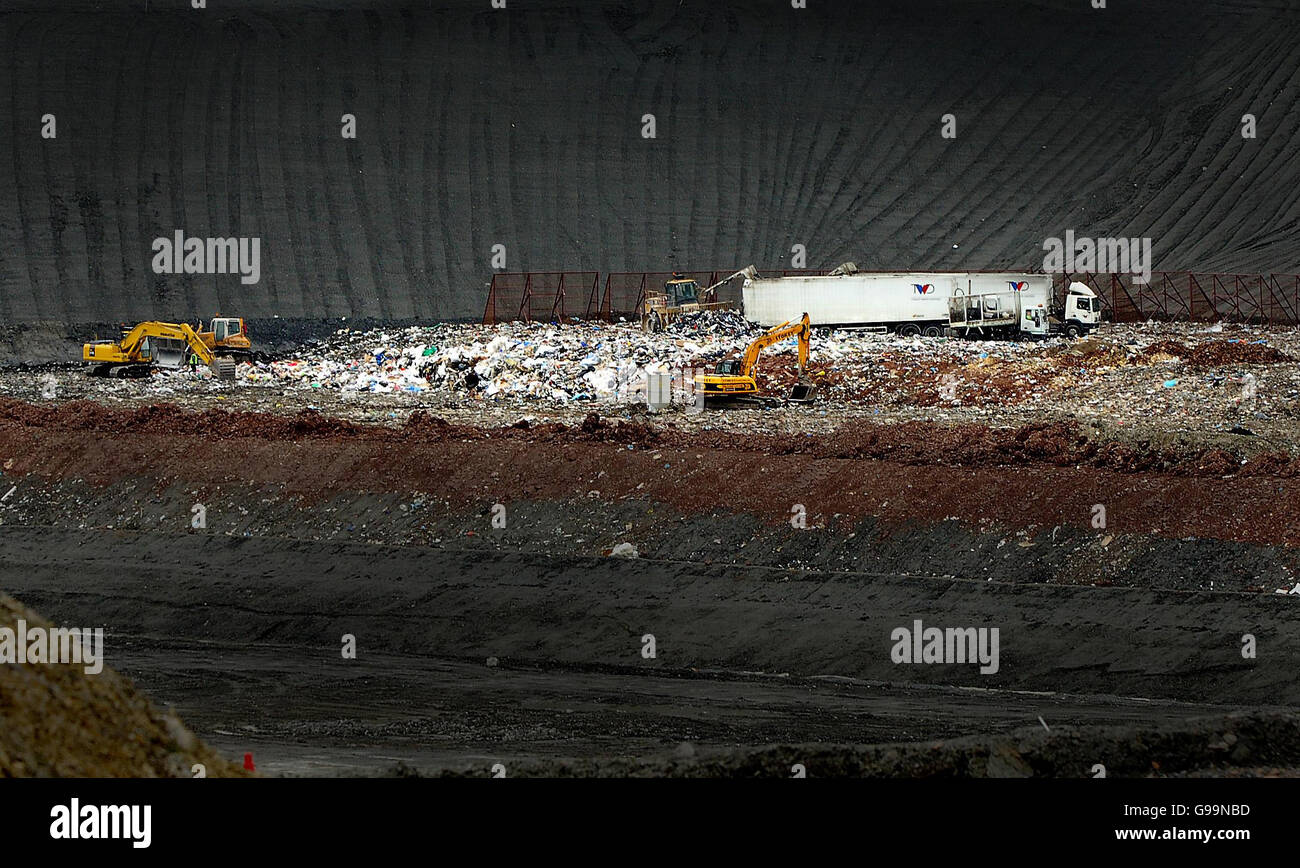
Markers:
{"x": 154, "y": 344}
{"x": 734, "y": 378}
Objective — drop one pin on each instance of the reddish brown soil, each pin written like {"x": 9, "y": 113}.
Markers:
{"x": 914, "y": 442}
{"x": 1215, "y": 353}
{"x": 1035, "y": 476}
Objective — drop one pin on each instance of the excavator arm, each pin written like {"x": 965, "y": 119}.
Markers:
{"x": 130, "y": 343}
{"x": 802, "y": 328}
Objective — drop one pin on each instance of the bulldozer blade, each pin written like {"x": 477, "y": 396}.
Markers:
{"x": 169, "y": 353}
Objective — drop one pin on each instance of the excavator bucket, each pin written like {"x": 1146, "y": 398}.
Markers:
{"x": 802, "y": 393}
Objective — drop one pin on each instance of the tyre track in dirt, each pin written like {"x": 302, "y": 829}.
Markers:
{"x": 300, "y": 711}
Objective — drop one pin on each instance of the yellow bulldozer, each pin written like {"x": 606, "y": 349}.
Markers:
{"x": 166, "y": 345}
{"x": 735, "y": 378}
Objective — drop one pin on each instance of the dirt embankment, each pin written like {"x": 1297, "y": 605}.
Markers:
{"x": 1032, "y": 479}
{"x": 915, "y": 443}
{"x": 59, "y": 720}
{"x": 887, "y": 527}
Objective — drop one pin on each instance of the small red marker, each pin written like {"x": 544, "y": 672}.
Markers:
{"x": 248, "y": 762}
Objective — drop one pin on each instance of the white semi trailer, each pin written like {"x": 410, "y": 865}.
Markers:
{"x": 966, "y": 304}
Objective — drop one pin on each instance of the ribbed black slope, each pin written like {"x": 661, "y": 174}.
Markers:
{"x": 523, "y": 128}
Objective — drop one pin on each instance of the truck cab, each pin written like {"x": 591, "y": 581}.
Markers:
{"x": 1082, "y": 312}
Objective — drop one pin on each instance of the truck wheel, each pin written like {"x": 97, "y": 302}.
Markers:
{"x": 933, "y": 331}
{"x": 909, "y": 330}
{"x": 1072, "y": 331}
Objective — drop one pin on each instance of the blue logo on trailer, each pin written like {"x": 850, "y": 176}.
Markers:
{"x": 1018, "y": 287}
{"x": 924, "y": 288}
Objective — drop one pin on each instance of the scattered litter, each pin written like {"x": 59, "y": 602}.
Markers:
{"x": 1215, "y": 378}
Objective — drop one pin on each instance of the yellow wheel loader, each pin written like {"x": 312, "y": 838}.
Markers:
{"x": 734, "y": 378}
{"x": 150, "y": 345}
{"x": 683, "y": 295}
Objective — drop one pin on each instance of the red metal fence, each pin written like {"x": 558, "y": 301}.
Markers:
{"x": 561, "y": 296}
{"x": 549, "y": 296}
{"x": 1195, "y": 296}
{"x": 546, "y": 296}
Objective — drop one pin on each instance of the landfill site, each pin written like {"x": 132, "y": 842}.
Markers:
{"x": 352, "y": 487}
{"x": 918, "y": 510}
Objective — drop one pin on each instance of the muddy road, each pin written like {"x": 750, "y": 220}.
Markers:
{"x": 242, "y": 637}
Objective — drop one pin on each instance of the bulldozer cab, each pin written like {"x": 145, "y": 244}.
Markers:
{"x": 729, "y": 368}
{"x": 682, "y": 290}
{"x": 224, "y": 328}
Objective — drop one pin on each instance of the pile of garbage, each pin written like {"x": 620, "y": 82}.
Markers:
{"x": 562, "y": 365}
{"x": 713, "y": 324}
{"x": 1184, "y": 377}
{"x": 509, "y": 361}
